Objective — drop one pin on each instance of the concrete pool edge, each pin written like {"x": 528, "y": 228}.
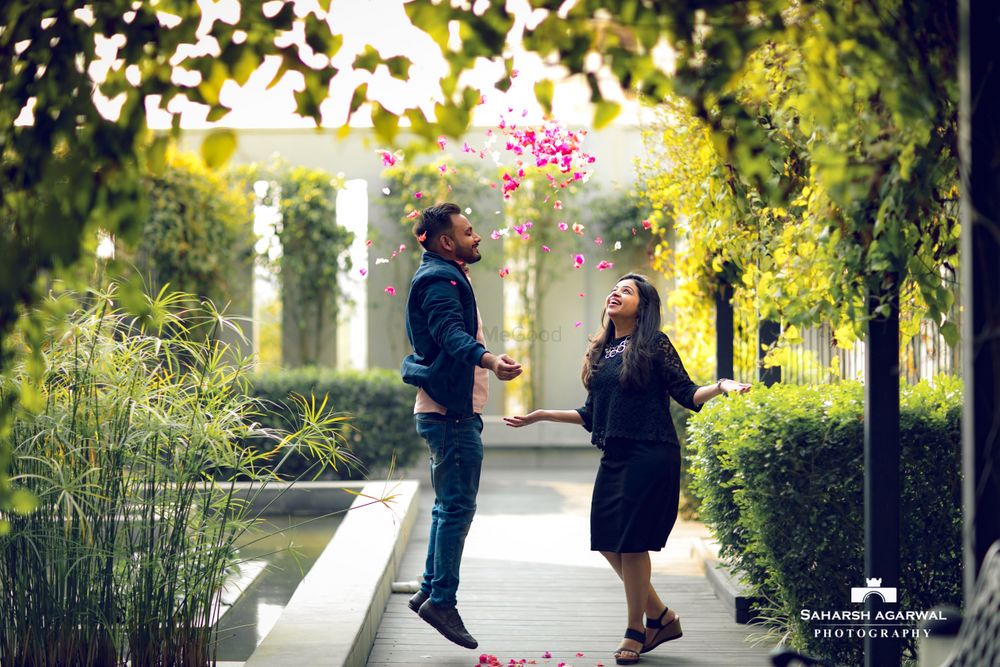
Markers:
{"x": 335, "y": 612}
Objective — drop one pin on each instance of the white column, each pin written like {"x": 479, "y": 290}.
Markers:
{"x": 352, "y": 327}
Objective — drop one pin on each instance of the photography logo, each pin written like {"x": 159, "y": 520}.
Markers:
{"x": 873, "y": 587}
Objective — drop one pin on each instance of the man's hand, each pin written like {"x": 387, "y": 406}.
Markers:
{"x": 503, "y": 366}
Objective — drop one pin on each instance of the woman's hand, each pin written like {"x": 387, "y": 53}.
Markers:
{"x": 518, "y": 421}
{"x": 729, "y": 386}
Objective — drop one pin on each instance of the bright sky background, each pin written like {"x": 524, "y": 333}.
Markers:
{"x": 385, "y": 25}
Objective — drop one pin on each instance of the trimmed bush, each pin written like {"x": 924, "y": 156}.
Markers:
{"x": 780, "y": 474}
{"x": 379, "y": 404}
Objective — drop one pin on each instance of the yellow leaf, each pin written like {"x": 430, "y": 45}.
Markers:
{"x": 218, "y": 147}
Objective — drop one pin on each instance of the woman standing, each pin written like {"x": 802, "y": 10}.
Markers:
{"x": 631, "y": 371}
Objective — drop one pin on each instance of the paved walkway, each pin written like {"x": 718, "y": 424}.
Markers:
{"x": 530, "y": 585}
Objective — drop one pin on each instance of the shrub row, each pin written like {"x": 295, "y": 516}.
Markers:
{"x": 780, "y": 474}
{"x": 380, "y": 409}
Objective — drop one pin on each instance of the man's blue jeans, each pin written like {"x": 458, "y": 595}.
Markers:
{"x": 456, "y": 454}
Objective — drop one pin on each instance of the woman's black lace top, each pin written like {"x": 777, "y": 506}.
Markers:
{"x": 615, "y": 411}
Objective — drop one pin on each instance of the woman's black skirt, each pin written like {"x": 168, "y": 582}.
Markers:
{"x": 634, "y": 505}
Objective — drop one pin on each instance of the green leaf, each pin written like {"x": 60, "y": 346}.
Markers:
{"x": 218, "y": 147}
{"x": 399, "y": 67}
{"x": 157, "y": 155}
{"x": 543, "y": 93}
{"x": 949, "y": 331}
{"x": 386, "y": 123}
{"x": 605, "y": 112}
{"x": 23, "y": 501}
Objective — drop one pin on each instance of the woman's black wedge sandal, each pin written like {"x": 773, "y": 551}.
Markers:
{"x": 664, "y": 633}
{"x": 620, "y": 654}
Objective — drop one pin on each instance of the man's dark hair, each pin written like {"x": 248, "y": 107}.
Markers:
{"x": 434, "y": 221}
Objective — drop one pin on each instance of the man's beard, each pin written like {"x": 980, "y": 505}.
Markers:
{"x": 472, "y": 257}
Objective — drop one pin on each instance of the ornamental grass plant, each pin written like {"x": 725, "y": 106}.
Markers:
{"x": 124, "y": 557}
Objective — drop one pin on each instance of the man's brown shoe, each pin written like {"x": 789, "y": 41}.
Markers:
{"x": 447, "y": 621}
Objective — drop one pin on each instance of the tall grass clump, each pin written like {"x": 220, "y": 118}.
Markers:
{"x": 124, "y": 557}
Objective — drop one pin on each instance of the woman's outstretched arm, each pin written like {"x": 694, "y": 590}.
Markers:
{"x": 565, "y": 416}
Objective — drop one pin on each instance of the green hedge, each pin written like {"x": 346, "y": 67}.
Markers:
{"x": 780, "y": 474}
{"x": 380, "y": 406}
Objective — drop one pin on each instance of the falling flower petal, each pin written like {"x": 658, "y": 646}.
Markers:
{"x": 558, "y": 205}
{"x": 388, "y": 159}
{"x": 578, "y": 324}
{"x": 418, "y": 194}
{"x": 563, "y": 226}
{"x": 604, "y": 264}
{"x": 412, "y": 214}
{"x": 578, "y": 261}
{"x": 468, "y": 211}
{"x": 443, "y": 168}
{"x": 422, "y": 237}
{"x": 504, "y": 272}
{"x": 402, "y": 247}
{"x": 546, "y": 655}
{"x": 363, "y": 272}
{"x": 578, "y": 228}
{"x": 386, "y": 191}
{"x": 368, "y": 243}
{"x": 618, "y": 245}
{"x": 381, "y": 260}
{"x": 633, "y": 231}
{"x": 579, "y": 655}
{"x": 390, "y": 290}
{"x": 646, "y": 224}
{"x": 598, "y": 241}
{"x": 582, "y": 294}
{"x": 442, "y": 142}
{"x": 452, "y": 282}
{"x": 545, "y": 248}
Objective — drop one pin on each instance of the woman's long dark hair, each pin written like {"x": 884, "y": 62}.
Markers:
{"x": 639, "y": 357}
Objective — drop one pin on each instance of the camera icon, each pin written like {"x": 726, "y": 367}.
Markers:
{"x": 873, "y": 587}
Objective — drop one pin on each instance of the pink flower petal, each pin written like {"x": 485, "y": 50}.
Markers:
{"x": 443, "y": 168}
{"x": 422, "y": 237}
{"x": 578, "y": 228}
{"x": 504, "y": 272}
{"x": 545, "y": 248}
{"x": 598, "y": 241}
{"x": 368, "y": 243}
{"x": 558, "y": 205}
{"x": 412, "y": 214}
{"x": 646, "y": 224}
{"x": 452, "y": 282}
{"x": 388, "y": 159}
{"x": 563, "y": 226}
{"x": 579, "y": 324}
{"x": 418, "y": 194}
{"x": 546, "y": 655}
{"x": 442, "y": 142}
{"x": 582, "y": 294}
{"x": 363, "y": 272}
{"x": 604, "y": 264}
{"x": 390, "y": 290}
{"x": 578, "y": 261}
